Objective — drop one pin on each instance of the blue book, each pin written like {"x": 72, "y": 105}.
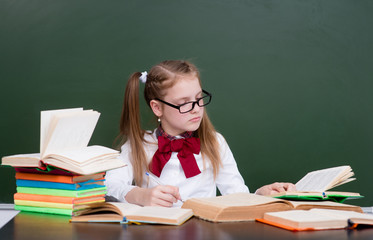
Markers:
{"x": 56, "y": 185}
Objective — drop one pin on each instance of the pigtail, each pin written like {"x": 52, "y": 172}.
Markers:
{"x": 130, "y": 127}
{"x": 209, "y": 143}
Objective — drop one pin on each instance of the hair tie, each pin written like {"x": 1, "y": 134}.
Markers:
{"x": 143, "y": 77}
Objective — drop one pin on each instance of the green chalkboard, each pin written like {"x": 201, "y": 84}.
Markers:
{"x": 291, "y": 80}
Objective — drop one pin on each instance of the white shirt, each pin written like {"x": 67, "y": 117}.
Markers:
{"x": 229, "y": 180}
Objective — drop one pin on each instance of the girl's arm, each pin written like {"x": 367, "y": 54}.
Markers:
{"x": 276, "y": 188}
{"x": 119, "y": 183}
{"x": 229, "y": 179}
{"x": 162, "y": 195}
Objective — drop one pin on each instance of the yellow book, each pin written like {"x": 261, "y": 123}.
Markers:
{"x": 52, "y": 204}
{"x": 247, "y": 206}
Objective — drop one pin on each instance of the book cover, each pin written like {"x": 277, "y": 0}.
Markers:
{"x": 62, "y": 192}
{"x": 59, "y": 199}
{"x": 90, "y": 184}
{"x": 58, "y": 178}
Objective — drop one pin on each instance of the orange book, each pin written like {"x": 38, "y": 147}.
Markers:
{"x": 58, "y": 178}
{"x": 58, "y": 199}
{"x": 316, "y": 219}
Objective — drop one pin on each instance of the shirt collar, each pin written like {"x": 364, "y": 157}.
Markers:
{"x": 160, "y": 132}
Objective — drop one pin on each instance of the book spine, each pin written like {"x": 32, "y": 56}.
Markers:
{"x": 61, "y": 192}
{"x": 58, "y": 178}
{"x": 44, "y": 177}
{"x": 43, "y": 204}
{"x": 57, "y": 199}
{"x": 59, "y": 211}
{"x": 57, "y": 185}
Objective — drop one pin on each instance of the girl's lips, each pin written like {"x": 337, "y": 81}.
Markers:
{"x": 196, "y": 119}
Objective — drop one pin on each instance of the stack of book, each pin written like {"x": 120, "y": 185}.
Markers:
{"x": 67, "y": 174}
{"x": 63, "y": 193}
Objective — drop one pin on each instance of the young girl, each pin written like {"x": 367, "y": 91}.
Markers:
{"x": 184, "y": 156}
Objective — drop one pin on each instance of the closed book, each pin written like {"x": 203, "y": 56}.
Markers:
{"x": 58, "y": 178}
{"x": 53, "y": 204}
{"x": 62, "y": 192}
{"x": 59, "y": 199}
{"x": 90, "y": 184}
{"x": 60, "y": 211}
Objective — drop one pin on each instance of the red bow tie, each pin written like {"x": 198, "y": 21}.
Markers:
{"x": 185, "y": 146}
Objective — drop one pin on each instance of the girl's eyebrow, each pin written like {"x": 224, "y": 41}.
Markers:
{"x": 187, "y": 98}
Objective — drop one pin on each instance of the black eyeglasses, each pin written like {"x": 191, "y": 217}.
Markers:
{"x": 189, "y": 106}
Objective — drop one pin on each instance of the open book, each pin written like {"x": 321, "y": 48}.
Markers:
{"x": 316, "y": 219}
{"x": 131, "y": 213}
{"x": 247, "y": 206}
{"x": 315, "y": 185}
{"x": 64, "y": 137}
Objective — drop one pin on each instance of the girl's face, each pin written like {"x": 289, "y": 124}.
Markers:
{"x": 186, "y": 89}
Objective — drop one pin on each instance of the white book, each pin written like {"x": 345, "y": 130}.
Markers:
{"x": 64, "y": 138}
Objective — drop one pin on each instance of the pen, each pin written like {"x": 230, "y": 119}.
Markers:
{"x": 157, "y": 181}
{"x": 154, "y": 179}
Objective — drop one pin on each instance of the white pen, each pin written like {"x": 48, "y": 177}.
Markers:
{"x": 157, "y": 181}
{"x": 154, "y": 179}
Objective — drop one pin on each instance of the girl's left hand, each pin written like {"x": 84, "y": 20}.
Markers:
{"x": 276, "y": 188}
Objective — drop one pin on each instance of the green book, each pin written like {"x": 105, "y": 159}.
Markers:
{"x": 61, "y": 192}
{"x": 59, "y": 211}
{"x": 317, "y": 196}
{"x": 316, "y": 185}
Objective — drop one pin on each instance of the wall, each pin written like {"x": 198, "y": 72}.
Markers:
{"x": 291, "y": 80}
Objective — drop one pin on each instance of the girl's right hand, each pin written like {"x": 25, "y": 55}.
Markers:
{"x": 161, "y": 195}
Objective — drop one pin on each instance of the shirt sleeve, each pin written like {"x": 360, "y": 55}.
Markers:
{"x": 229, "y": 179}
{"x": 119, "y": 181}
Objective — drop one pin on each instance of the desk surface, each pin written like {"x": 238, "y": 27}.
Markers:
{"x": 44, "y": 226}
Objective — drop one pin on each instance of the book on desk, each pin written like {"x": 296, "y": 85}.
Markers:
{"x": 316, "y": 186}
{"x": 67, "y": 174}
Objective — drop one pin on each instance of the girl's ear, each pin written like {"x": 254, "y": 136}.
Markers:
{"x": 156, "y": 108}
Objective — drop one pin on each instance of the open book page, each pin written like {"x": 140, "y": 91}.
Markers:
{"x": 131, "y": 212}
{"x": 305, "y": 205}
{"x": 125, "y": 208}
{"x": 317, "y": 218}
{"x": 343, "y": 214}
{"x": 322, "y": 180}
{"x": 303, "y": 220}
{"x": 84, "y": 155}
{"x": 22, "y": 160}
{"x": 45, "y": 120}
{"x": 152, "y": 214}
{"x": 70, "y": 131}
{"x": 239, "y": 199}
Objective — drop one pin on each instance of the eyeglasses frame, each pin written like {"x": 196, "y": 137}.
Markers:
{"x": 194, "y": 102}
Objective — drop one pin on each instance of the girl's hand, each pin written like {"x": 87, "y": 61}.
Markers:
{"x": 276, "y": 188}
{"x": 161, "y": 195}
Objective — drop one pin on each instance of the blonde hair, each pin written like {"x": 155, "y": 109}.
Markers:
{"x": 160, "y": 77}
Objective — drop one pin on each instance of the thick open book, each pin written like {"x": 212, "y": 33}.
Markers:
{"x": 64, "y": 138}
{"x": 315, "y": 185}
{"x": 247, "y": 206}
{"x": 131, "y": 213}
{"x": 316, "y": 219}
